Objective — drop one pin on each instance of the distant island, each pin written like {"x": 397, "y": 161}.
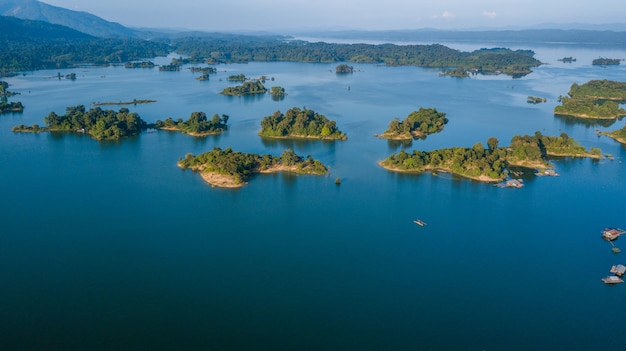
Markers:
{"x": 490, "y": 164}
{"x": 133, "y": 102}
{"x": 343, "y": 68}
{"x": 568, "y": 59}
{"x": 535, "y": 100}
{"x": 300, "y": 123}
{"x": 597, "y": 99}
{"x": 277, "y": 92}
{"x": 205, "y": 72}
{"x": 99, "y": 124}
{"x": 139, "y": 64}
{"x": 605, "y": 62}
{"x": 197, "y": 125}
{"x": 248, "y": 87}
{"x": 418, "y": 124}
{"x": 5, "y": 105}
{"x": 230, "y": 169}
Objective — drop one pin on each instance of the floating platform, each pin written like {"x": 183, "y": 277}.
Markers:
{"x": 547, "y": 173}
{"x": 612, "y": 233}
{"x": 612, "y": 280}
{"x": 618, "y": 270}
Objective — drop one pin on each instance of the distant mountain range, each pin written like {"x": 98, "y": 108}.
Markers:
{"x": 613, "y": 34}
{"x": 81, "y": 21}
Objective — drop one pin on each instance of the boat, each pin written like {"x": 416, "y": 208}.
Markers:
{"x": 612, "y": 280}
{"x": 419, "y": 222}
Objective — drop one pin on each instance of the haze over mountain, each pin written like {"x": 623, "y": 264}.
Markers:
{"x": 80, "y": 21}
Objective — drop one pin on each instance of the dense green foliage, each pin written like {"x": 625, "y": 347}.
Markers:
{"x": 32, "y": 45}
{"x": 516, "y": 63}
{"x": 139, "y": 64}
{"x": 277, "y": 92}
{"x": 100, "y": 124}
{"x": 599, "y": 89}
{"x": 605, "y": 61}
{"x": 242, "y": 165}
{"x": 343, "y": 68}
{"x": 417, "y": 124}
{"x": 5, "y": 105}
{"x": 249, "y": 87}
{"x": 490, "y": 163}
{"x": 594, "y": 100}
{"x": 237, "y": 77}
{"x": 298, "y": 122}
{"x": 198, "y": 123}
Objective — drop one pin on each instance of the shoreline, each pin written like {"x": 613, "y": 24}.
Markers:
{"x": 482, "y": 178}
{"x": 618, "y": 139}
{"x": 582, "y": 115}
{"x": 174, "y": 129}
{"x": 345, "y": 137}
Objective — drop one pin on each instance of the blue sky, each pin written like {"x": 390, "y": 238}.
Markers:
{"x": 347, "y": 14}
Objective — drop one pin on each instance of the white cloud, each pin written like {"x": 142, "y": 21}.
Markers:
{"x": 445, "y": 15}
{"x": 490, "y": 14}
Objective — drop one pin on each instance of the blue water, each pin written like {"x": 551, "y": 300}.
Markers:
{"x": 110, "y": 246}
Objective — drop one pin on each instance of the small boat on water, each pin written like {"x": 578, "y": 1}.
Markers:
{"x": 419, "y": 222}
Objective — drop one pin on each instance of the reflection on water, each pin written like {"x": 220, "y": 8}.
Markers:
{"x": 587, "y": 122}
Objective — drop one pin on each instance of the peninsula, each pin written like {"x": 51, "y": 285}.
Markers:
{"x": 99, "y": 124}
{"x": 490, "y": 164}
{"x": 300, "y": 123}
{"x": 418, "y": 124}
{"x": 196, "y": 125}
{"x": 5, "y": 105}
{"x": 617, "y": 135}
{"x": 597, "y": 99}
{"x": 230, "y": 169}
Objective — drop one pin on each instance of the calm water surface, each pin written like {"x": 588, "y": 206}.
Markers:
{"x": 110, "y": 246}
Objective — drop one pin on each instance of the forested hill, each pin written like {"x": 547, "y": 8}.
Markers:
{"x": 77, "y": 20}
{"x": 15, "y": 31}
{"x": 31, "y": 45}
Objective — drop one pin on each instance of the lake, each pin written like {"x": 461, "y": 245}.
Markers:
{"x": 111, "y": 246}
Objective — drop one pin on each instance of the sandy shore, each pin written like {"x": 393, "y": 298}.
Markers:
{"x": 481, "y": 178}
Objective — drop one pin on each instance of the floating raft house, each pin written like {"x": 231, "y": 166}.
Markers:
{"x": 612, "y": 233}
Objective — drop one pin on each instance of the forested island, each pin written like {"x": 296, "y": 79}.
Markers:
{"x": 205, "y": 72}
{"x": 5, "y": 105}
{"x": 100, "y": 124}
{"x": 598, "y": 99}
{"x": 535, "y": 100}
{"x": 249, "y": 87}
{"x": 490, "y": 164}
{"x": 132, "y": 102}
{"x": 231, "y": 169}
{"x": 277, "y": 92}
{"x": 605, "y": 61}
{"x": 139, "y": 64}
{"x": 197, "y": 124}
{"x": 300, "y": 123}
{"x": 343, "y": 68}
{"x": 418, "y": 124}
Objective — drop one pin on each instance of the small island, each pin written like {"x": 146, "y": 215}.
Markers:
{"x": 277, "y": 92}
{"x": 490, "y": 164}
{"x": 205, "y": 72}
{"x": 99, "y": 124}
{"x": 597, "y": 99}
{"x": 567, "y": 59}
{"x": 605, "y": 61}
{"x": 418, "y": 124}
{"x": 300, "y": 123}
{"x": 249, "y": 87}
{"x": 139, "y": 64}
{"x": 197, "y": 125}
{"x": 343, "y": 68}
{"x": 230, "y": 169}
{"x": 133, "y": 102}
{"x": 5, "y": 105}
{"x": 535, "y": 100}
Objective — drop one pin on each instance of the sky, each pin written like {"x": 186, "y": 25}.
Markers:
{"x": 273, "y": 15}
